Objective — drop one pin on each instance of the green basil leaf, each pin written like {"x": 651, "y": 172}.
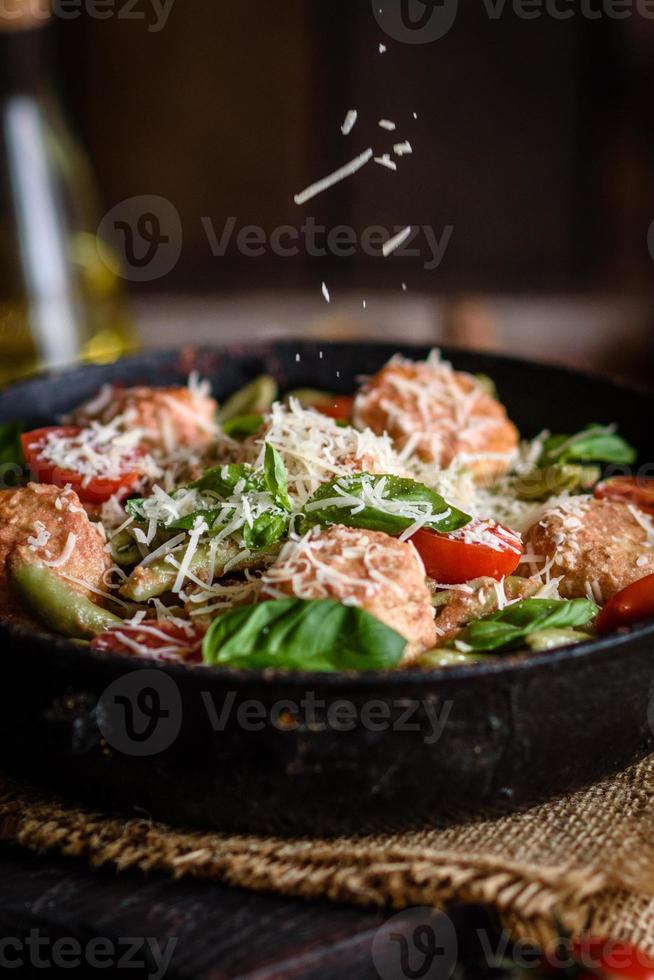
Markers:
{"x": 298, "y": 634}
{"x": 243, "y": 426}
{"x": 134, "y": 507}
{"x": 507, "y": 628}
{"x": 594, "y": 444}
{"x": 276, "y": 478}
{"x": 222, "y": 480}
{"x": 266, "y": 529}
{"x": 340, "y": 502}
{"x": 187, "y": 523}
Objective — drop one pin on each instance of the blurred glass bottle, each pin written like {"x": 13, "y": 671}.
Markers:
{"x": 59, "y": 300}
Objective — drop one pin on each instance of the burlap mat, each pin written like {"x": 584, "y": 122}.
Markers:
{"x": 585, "y": 862}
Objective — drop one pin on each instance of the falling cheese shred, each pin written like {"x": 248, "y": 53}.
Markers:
{"x": 394, "y": 243}
{"x": 334, "y": 178}
{"x": 402, "y": 149}
{"x": 349, "y": 122}
{"x": 385, "y": 161}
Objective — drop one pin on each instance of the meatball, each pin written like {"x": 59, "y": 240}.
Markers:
{"x": 369, "y": 569}
{"x": 597, "y": 546}
{"x": 315, "y": 449}
{"x": 439, "y": 415}
{"x": 167, "y": 416}
{"x": 461, "y": 604}
{"x": 43, "y": 523}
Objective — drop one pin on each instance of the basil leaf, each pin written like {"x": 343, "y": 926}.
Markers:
{"x": 376, "y": 503}
{"x": 276, "y": 478}
{"x": 298, "y": 634}
{"x": 266, "y": 529}
{"x": 243, "y": 426}
{"x": 594, "y": 444}
{"x": 219, "y": 480}
{"x": 134, "y": 507}
{"x": 222, "y": 480}
{"x": 186, "y": 523}
{"x": 507, "y": 628}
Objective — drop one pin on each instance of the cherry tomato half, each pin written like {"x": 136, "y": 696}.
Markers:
{"x": 631, "y": 489}
{"x": 338, "y": 407}
{"x": 613, "y": 958}
{"x": 451, "y": 559}
{"x": 166, "y": 641}
{"x": 631, "y": 605}
{"x": 93, "y": 491}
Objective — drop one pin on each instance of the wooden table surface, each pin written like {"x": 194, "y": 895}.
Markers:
{"x": 212, "y": 931}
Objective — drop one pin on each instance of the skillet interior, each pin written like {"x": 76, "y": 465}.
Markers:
{"x": 512, "y": 733}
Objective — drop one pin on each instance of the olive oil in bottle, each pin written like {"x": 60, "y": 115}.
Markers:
{"x": 60, "y": 298}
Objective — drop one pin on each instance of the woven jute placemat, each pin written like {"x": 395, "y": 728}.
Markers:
{"x": 584, "y": 862}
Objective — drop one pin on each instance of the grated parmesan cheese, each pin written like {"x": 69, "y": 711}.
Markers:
{"x": 40, "y": 537}
{"x": 394, "y": 243}
{"x": 334, "y": 178}
{"x": 349, "y": 122}
{"x": 402, "y": 149}
{"x": 66, "y": 553}
{"x": 385, "y": 161}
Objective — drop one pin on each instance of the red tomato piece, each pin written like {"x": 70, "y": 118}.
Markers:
{"x": 339, "y": 407}
{"x": 165, "y": 641}
{"x": 631, "y": 489}
{"x": 631, "y": 605}
{"x": 454, "y": 558}
{"x": 95, "y": 490}
{"x": 613, "y": 958}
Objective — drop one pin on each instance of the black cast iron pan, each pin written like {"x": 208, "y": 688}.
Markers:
{"x": 327, "y": 753}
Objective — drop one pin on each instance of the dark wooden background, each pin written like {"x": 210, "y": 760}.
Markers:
{"x": 533, "y": 138}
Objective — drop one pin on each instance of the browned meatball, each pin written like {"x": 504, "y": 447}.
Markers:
{"x": 369, "y": 569}
{"x": 597, "y": 546}
{"x": 41, "y": 523}
{"x": 439, "y": 414}
{"x": 167, "y": 416}
{"x": 461, "y": 604}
